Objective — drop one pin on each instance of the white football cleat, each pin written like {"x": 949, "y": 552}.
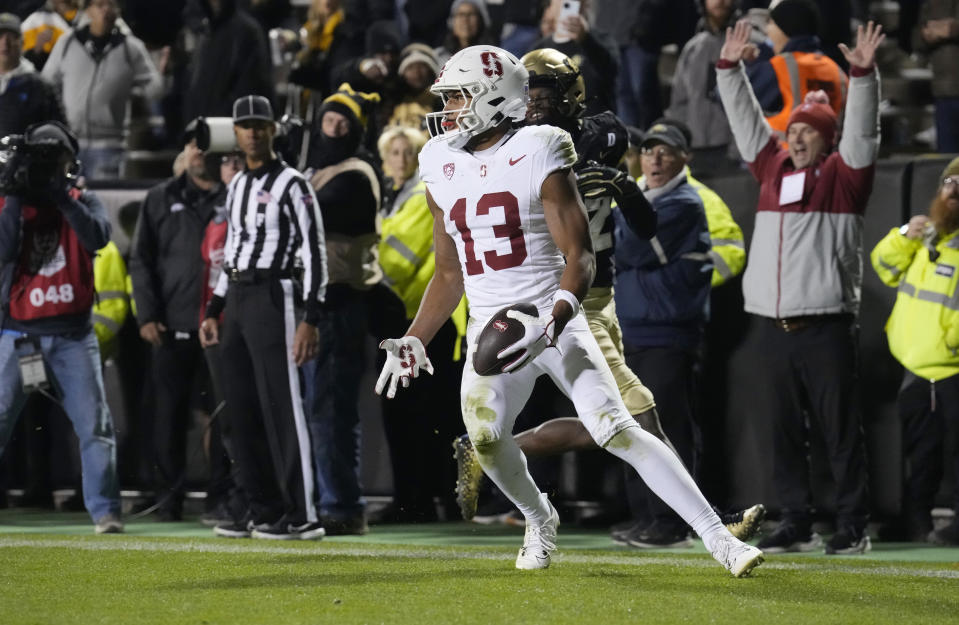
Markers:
{"x": 738, "y": 557}
{"x": 539, "y": 542}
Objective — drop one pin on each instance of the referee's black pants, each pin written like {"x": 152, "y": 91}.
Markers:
{"x": 261, "y": 385}
{"x": 814, "y": 370}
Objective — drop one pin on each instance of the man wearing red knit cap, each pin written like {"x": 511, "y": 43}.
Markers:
{"x": 803, "y": 280}
{"x": 815, "y": 113}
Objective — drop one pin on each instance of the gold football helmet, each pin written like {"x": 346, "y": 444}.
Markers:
{"x": 551, "y": 68}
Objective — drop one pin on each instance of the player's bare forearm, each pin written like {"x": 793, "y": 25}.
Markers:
{"x": 439, "y": 301}
{"x": 445, "y": 290}
{"x": 568, "y": 224}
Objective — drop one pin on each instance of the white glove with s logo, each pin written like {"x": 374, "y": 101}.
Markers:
{"x": 405, "y": 357}
{"x": 540, "y": 334}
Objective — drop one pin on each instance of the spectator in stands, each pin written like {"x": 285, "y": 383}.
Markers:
{"x": 25, "y": 97}
{"x": 937, "y": 35}
{"x": 44, "y": 26}
{"x": 418, "y": 69}
{"x": 468, "y": 25}
{"x": 662, "y": 290}
{"x": 410, "y": 114}
{"x": 798, "y": 67}
{"x": 231, "y": 59}
{"x": 520, "y": 24}
{"x": 348, "y": 193}
{"x": 419, "y": 426}
{"x": 426, "y": 20}
{"x": 376, "y": 72}
{"x": 592, "y": 51}
{"x": 923, "y": 332}
{"x": 803, "y": 281}
{"x": 328, "y": 43}
{"x": 272, "y": 13}
{"x": 693, "y": 97}
{"x": 49, "y": 233}
{"x": 167, "y": 272}
{"x": 641, "y": 29}
{"x": 726, "y": 247}
{"x": 96, "y": 68}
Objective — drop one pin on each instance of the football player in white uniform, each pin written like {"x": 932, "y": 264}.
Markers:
{"x": 557, "y": 98}
{"x": 509, "y": 226}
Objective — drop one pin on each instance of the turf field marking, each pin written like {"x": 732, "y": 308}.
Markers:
{"x": 241, "y": 546}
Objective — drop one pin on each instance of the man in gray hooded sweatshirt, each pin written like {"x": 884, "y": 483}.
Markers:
{"x": 96, "y": 67}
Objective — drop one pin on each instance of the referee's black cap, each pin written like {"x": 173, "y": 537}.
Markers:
{"x": 252, "y": 107}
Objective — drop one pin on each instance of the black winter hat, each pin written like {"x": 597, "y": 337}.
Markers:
{"x": 50, "y": 133}
{"x": 796, "y": 17}
{"x": 383, "y": 37}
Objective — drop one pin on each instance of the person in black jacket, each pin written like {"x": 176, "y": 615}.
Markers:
{"x": 348, "y": 191}
{"x": 25, "y": 97}
{"x": 231, "y": 59}
{"x": 167, "y": 272}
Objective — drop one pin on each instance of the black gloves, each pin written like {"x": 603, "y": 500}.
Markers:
{"x": 596, "y": 181}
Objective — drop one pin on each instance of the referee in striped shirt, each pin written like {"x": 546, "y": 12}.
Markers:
{"x": 272, "y": 218}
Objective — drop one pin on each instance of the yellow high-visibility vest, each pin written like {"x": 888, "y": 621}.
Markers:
{"x": 407, "y": 258}
{"x": 112, "y": 303}
{"x": 923, "y": 329}
{"x": 727, "y": 247}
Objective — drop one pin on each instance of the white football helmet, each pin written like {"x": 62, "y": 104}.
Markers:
{"x": 493, "y": 82}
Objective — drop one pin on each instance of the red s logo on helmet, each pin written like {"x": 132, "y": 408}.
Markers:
{"x": 491, "y": 65}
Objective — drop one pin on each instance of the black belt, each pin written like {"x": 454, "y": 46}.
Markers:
{"x": 253, "y": 276}
{"x": 795, "y": 324}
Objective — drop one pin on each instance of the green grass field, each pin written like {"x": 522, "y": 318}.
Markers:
{"x": 53, "y": 570}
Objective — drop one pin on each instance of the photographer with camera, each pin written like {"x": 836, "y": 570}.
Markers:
{"x": 49, "y": 233}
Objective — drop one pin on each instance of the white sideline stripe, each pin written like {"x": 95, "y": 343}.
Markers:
{"x": 238, "y": 545}
{"x": 299, "y": 418}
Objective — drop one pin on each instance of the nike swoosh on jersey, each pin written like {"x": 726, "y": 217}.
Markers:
{"x": 513, "y": 162}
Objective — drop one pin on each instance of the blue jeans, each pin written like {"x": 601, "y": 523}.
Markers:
{"x": 947, "y": 125}
{"x": 101, "y": 163}
{"x": 332, "y": 411}
{"x": 75, "y": 367}
{"x": 638, "y": 98}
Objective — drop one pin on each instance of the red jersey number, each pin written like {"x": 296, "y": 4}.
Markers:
{"x": 511, "y": 229}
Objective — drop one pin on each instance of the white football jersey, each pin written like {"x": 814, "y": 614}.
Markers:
{"x": 492, "y": 208}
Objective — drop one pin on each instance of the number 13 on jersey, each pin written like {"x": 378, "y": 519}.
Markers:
{"x": 510, "y": 229}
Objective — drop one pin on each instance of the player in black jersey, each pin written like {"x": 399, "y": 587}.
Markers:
{"x": 557, "y": 97}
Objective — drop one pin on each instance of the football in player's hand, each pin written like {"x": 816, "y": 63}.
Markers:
{"x": 500, "y": 332}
